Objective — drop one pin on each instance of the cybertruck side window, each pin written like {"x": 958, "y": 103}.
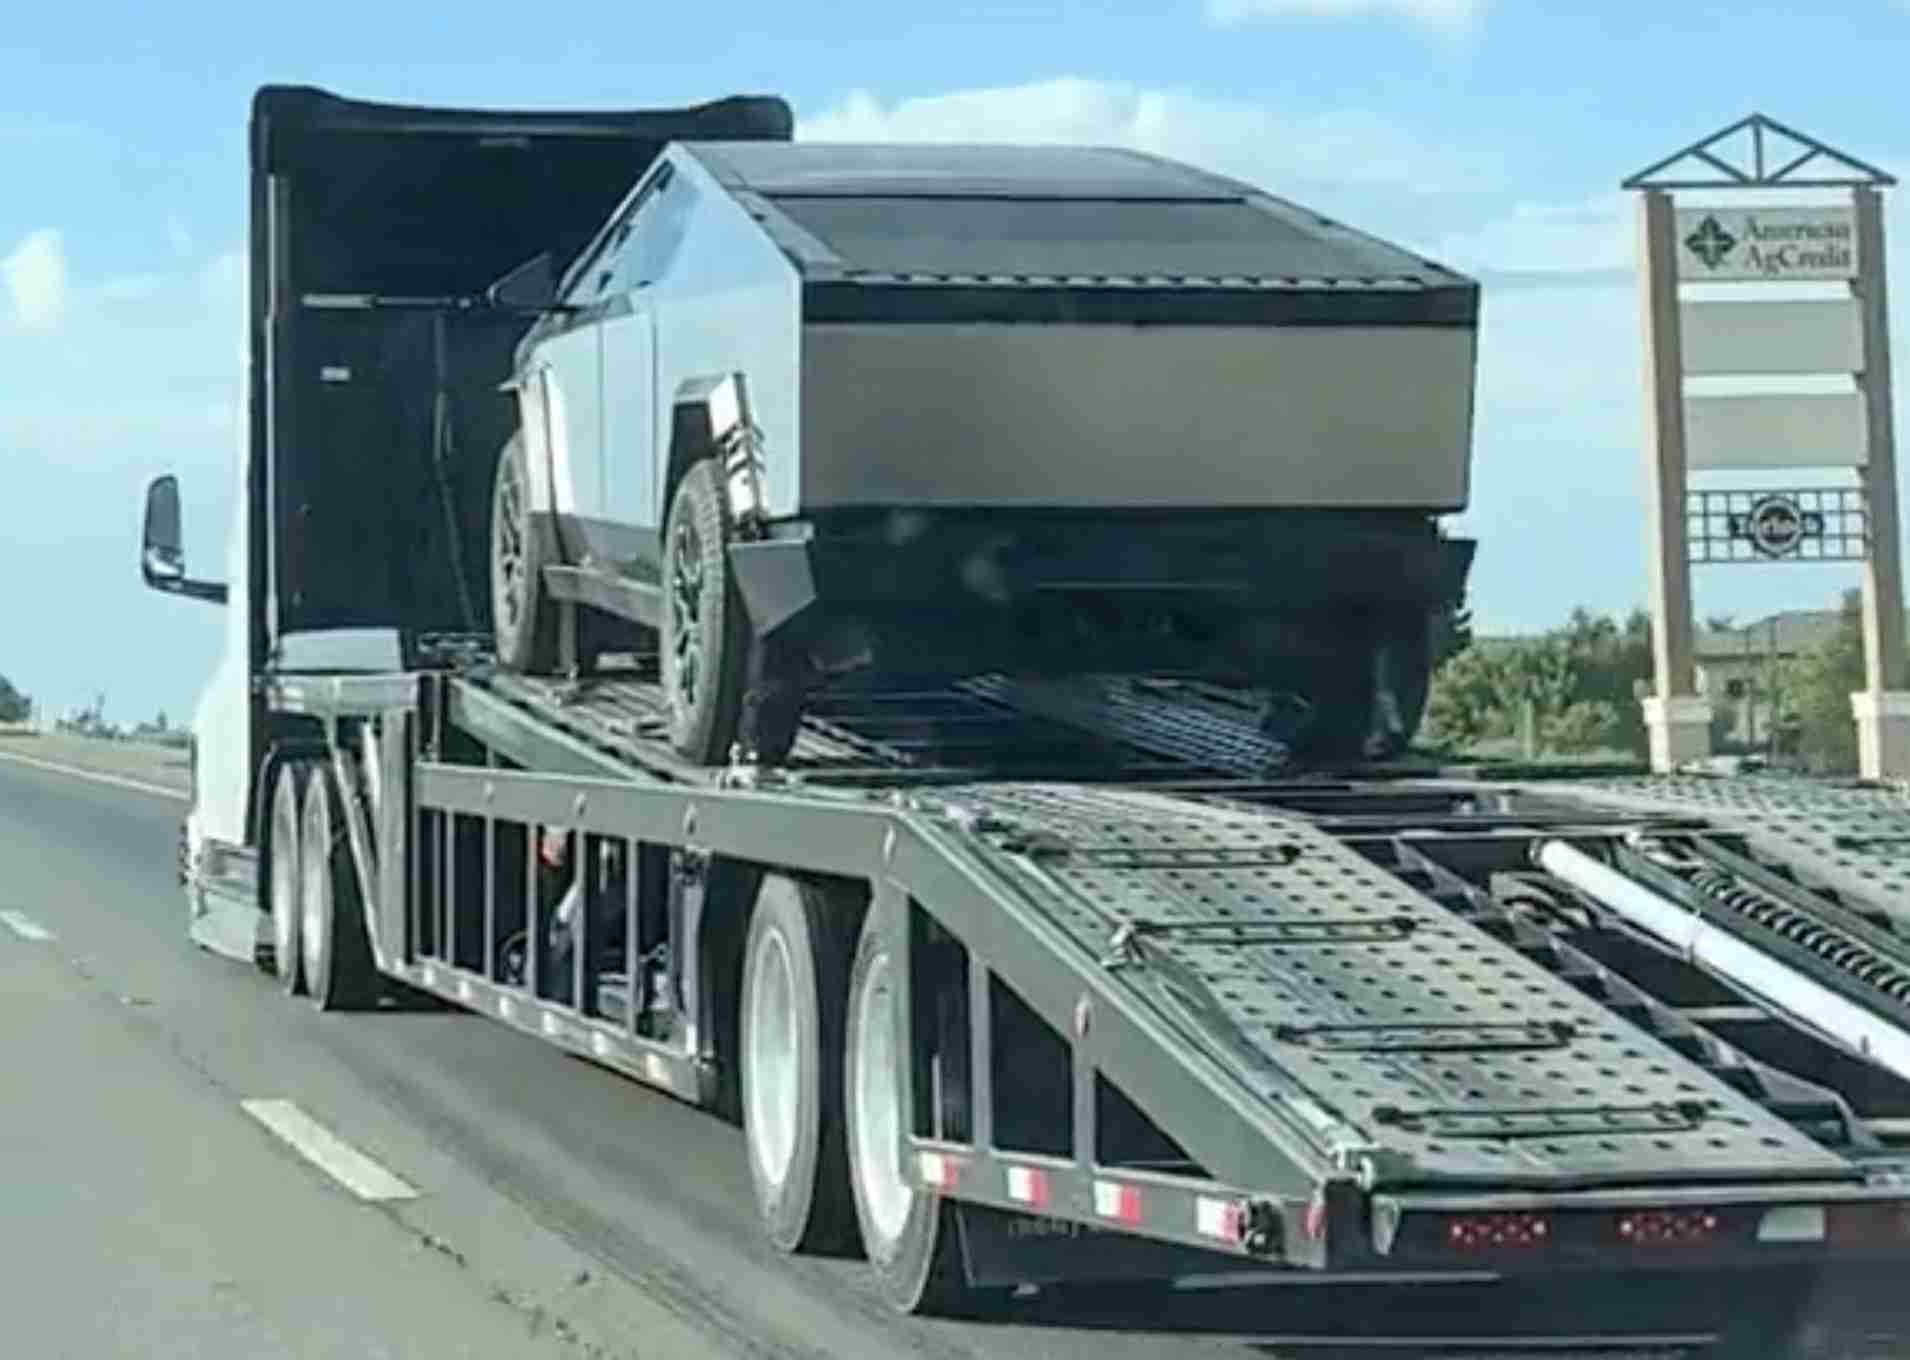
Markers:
{"x": 656, "y": 231}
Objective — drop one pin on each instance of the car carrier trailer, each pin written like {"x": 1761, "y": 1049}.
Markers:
{"x": 1093, "y": 989}
{"x": 1014, "y": 982}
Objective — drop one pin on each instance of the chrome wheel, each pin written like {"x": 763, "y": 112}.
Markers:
{"x": 887, "y": 1196}
{"x": 315, "y": 869}
{"x": 773, "y": 1063}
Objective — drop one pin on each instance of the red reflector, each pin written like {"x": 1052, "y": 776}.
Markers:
{"x": 1867, "y": 1225}
{"x": 1498, "y": 1232}
{"x": 1667, "y": 1227}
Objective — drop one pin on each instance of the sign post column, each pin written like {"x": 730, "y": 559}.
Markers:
{"x": 1882, "y": 707}
{"x": 1676, "y": 719}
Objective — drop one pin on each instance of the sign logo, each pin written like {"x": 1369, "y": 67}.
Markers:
{"x": 1762, "y": 244}
{"x": 1776, "y": 526}
{"x": 1711, "y": 242}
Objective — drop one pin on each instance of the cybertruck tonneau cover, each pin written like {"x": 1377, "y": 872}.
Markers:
{"x": 379, "y": 429}
{"x": 1068, "y": 233}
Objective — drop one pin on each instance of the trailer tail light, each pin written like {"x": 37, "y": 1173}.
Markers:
{"x": 1667, "y": 1227}
{"x": 1028, "y": 1185}
{"x": 1117, "y": 1201}
{"x": 1222, "y": 1219}
{"x": 940, "y": 1171}
{"x": 1498, "y": 1232}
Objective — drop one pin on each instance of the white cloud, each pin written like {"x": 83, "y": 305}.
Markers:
{"x": 178, "y": 234}
{"x": 132, "y": 287}
{"x": 35, "y": 278}
{"x": 1449, "y": 17}
{"x": 1588, "y": 235}
{"x": 1344, "y": 149}
{"x": 224, "y": 280}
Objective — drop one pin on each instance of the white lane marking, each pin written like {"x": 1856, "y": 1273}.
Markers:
{"x": 327, "y": 1151}
{"x": 75, "y": 772}
{"x": 25, "y": 927}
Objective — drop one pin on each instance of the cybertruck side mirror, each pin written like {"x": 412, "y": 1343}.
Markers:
{"x": 532, "y": 286}
{"x": 162, "y": 556}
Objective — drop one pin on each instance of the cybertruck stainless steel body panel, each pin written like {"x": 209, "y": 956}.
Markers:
{"x": 1134, "y": 417}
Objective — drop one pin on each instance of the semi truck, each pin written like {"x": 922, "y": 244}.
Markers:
{"x": 1009, "y": 980}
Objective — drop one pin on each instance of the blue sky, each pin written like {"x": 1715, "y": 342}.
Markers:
{"x": 1489, "y": 133}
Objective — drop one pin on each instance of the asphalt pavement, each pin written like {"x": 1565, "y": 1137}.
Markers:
{"x": 530, "y": 1204}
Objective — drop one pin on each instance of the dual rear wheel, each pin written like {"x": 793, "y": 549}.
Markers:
{"x": 319, "y": 945}
{"x": 825, "y": 1102}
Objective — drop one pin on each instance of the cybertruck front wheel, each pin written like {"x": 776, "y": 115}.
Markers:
{"x": 526, "y": 626}
{"x": 709, "y": 651}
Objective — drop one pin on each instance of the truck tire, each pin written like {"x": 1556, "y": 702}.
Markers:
{"x": 286, "y": 884}
{"x": 795, "y": 980}
{"x": 908, "y": 1234}
{"x": 525, "y": 626}
{"x": 706, "y": 638}
{"x": 339, "y": 972}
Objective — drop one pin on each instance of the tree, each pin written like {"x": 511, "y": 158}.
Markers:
{"x": 14, "y": 706}
{"x": 1824, "y": 680}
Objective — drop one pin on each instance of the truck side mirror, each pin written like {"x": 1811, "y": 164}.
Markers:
{"x": 162, "y": 557}
{"x": 532, "y": 284}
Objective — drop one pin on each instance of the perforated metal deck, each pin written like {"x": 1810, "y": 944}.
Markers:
{"x": 1090, "y": 728}
{"x": 1855, "y": 841}
{"x": 1269, "y": 941}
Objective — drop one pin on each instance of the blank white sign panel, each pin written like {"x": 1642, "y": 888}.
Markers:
{"x": 1818, "y": 430}
{"x": 1772, "y": 337}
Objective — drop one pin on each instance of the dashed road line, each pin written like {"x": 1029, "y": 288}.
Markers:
{"x": 94, "y": 776}
{"x": 327, "y": 1151}
{"x": 25, "y": 926}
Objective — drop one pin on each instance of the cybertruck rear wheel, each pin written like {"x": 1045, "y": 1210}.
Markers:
{"x": 526, "y": 626}
{"x": 1364, "y": 699}
{"x": 708, "y": 646}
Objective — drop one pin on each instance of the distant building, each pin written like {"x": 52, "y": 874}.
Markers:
{"x": 1734, "y": 665}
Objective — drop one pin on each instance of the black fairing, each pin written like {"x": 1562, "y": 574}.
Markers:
{"x": 351, "y": 529}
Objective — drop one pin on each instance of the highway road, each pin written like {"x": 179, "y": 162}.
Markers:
{"x": 522, "y": 1203}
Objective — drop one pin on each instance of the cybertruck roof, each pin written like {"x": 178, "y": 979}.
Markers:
{"x": 1088, "y": 221}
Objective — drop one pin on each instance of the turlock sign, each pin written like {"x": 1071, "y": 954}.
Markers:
{"x": 1723, "y": 245}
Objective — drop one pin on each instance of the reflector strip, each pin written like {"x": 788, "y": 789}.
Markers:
{"x": 1117, "y": 1201}
{"x": 1221, "y": 1218}
{"x": 939, "y": 1171}
{"x": 1028, "y": 1186}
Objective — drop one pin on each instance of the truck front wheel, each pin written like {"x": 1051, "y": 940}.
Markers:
{"x": 335, "y": 952}
{"x": 288, "y": 794}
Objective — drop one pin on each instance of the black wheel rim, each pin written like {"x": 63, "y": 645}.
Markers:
{"x": 508, "y": 549}
{"x": 686, "y": 615}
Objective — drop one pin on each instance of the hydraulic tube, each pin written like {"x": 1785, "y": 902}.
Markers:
{"x": 1775, "y": 982}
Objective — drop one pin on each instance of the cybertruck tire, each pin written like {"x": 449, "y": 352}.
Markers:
{"x": 707, "y": 643}
{"x": 525, "y": 624}
{"x": 1368, "y": 696}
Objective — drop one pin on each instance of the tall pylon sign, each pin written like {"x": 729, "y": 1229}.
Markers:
{"x": 1767, "y": 354}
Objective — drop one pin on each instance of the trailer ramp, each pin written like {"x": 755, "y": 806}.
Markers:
{"x": 1301, "y": 966}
